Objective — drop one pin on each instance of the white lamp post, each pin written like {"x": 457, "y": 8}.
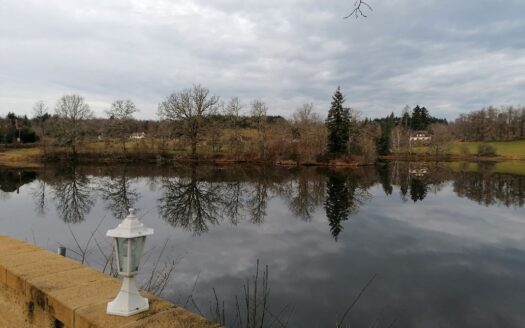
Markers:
{"x": 130, "y": 237}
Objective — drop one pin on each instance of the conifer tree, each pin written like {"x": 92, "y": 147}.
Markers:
{"x": 383, "y": 142}
{"x": 338, "y": 124}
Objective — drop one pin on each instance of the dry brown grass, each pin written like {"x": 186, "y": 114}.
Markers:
{"x": 22, "y": 158}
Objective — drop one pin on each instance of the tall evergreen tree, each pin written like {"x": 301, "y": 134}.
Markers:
{"x": 421, "y": 118}
{"x": 338, "y": 124}
{"x": 383, "y": 142}
{"x": 425, "y": 119}
{"x": 416, "y": 118}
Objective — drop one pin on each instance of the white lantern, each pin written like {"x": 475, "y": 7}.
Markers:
{"x": 130, "y": 237}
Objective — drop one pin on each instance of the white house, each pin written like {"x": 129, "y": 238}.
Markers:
{"x": 138, "y": 135}
{"x": 420, "y": 136}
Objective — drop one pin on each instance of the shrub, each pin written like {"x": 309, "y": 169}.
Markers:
{"x": 464, "y": 150}
{"x": 486, "y": 150}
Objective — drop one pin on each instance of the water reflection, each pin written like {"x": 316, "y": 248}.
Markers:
{"x": 12, "y": 180}
{"x": 343, "y": 197}
{"x": 193, "y": 198}
{"x": 72, "y": 193}
{"x": 190, "y": 203}
{"x": 118, "y": 193}
{"x": 441, "y": 259}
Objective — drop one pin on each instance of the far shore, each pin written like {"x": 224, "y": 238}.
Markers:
{"x": 32, "y": 156}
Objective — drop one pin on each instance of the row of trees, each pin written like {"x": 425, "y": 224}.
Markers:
{"x": 368, "y": 138}
{"x": 202, "y": 122}
{"x": 15, "y": 128}
{"x": 491, "y": 124}
{"x": 194, "y": 116}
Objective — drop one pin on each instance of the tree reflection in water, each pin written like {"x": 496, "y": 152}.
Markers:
{"x": 418, "y": 189}
{"x": 343, "y": 197}
{"x": 196, "y": 197}
{"x": 190, "y": 204}
{"x": 304, "y": 192}
{"x": 73, "y": 195}
{"x": 118, "y": 193}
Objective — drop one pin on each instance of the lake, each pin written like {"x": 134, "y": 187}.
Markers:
{"x": 423, "y": 244}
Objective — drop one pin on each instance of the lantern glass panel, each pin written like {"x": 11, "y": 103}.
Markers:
{"x": 122, "y": 253}
{"x": 137, "y": 247}
{"x": 129, "y": 252}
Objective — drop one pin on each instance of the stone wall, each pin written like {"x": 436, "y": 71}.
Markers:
{"x": 41, "y": 289}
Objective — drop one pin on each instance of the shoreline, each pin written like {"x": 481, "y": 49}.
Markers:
{"x": 31, "y": 158}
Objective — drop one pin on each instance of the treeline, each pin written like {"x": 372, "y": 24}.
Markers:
{"x": 15, "y": 128}
{"x": 194, "y": 123}
{"x": 491, "y": 124}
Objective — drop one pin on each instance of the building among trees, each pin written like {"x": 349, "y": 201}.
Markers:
{"x": 420, "y": 136}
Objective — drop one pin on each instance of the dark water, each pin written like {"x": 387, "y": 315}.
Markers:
{"x": 446, "y": 248}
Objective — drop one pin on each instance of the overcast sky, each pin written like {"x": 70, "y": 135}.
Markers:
{"x": 451, "y": 56}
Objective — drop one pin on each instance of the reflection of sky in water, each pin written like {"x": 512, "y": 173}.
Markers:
{"x": 443, "y": 262}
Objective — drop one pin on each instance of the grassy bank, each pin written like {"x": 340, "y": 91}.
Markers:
{"x": 156, "y": 151}
{"x": 23, "y": 158}
{"x": 505, "y": 150}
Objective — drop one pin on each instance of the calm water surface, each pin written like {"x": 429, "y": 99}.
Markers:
{"x": 446, "y": 247}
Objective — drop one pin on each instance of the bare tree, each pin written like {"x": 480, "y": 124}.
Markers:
{"x": 120, "y": 120}
{"x": 189, "y": 106}
{"x": 233, "y": 112}
{"x": 358, "y": 9}
{"x": 441, "y": 139}
{"x": 259, "y": 113}
{"x": 308, "y": 128}
{"x": 73, "y": 111}
{"x": 40, "y": 116}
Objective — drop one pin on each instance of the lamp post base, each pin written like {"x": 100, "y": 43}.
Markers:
{"x": 128, "y": 301}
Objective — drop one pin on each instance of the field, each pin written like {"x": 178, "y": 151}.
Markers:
{"x": 512, "y": 150}
{"x": 508, "y": 149}
{"x": 23, "y": 158}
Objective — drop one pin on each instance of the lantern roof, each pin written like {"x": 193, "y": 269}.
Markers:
{"x": 131, "y": 227}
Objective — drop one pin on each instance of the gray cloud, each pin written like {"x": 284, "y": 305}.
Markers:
{"x": 451, "y": 56}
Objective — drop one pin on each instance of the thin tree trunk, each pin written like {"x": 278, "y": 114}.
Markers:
{"x": 194, "y": 149}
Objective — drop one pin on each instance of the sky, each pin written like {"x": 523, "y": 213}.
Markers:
{"x": 448, "y": 55}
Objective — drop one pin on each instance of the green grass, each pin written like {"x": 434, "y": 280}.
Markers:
{"x": 507, "y": 149}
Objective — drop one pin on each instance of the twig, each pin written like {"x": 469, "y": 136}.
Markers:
{"x": 357, "y": 12}
{"x": 340, "y": 323}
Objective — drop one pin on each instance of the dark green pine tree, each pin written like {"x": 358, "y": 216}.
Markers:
{"x": 425, "y": 119}
{"x": 405, "y": 120}
{"x": 338, "y": 124}
{"x": 383, "y": 142}
{"x": 416, "y": 118}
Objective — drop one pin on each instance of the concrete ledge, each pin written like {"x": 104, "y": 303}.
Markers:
{"x": 41, "y": 289}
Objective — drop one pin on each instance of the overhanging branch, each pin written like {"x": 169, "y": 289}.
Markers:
{"x": 358, "y": 9}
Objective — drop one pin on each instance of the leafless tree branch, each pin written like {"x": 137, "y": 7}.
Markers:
{"x": 358, "y": 9}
